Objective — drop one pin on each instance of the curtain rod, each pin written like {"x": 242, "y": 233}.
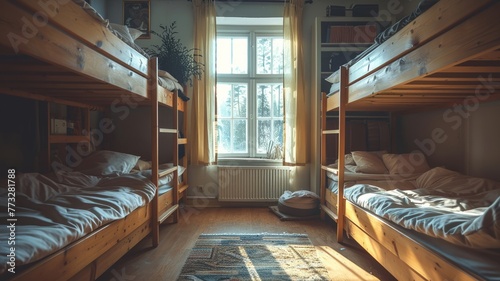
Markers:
{"x": 265, "y": 1}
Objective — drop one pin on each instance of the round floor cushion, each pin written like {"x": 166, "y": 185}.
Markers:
{"x": 299, "y": 203}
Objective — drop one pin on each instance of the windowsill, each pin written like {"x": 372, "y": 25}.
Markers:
{"x": 249, "y": 162}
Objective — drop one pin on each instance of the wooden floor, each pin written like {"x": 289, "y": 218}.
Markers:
{"x": 344, "y": 261}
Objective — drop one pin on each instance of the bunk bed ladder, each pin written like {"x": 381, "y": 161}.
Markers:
{"x": 343, "y": 99}
{"x": 337, "y": 216}
{"x": 152, "y": 91}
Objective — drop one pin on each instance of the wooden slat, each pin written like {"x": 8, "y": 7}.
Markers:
{"x": 70, "y": 260}
{"x": 111, "y": 256}
{"x": 330, "y": 132}
{"x": 332, "y": 102}
{"x": 163, "y": 173}
{"x": 442, "y": 16}
{"x": 424, "y": 261}
{"x": 68, "y": 139}
{"x": 445, "y": 53}
{"x": 168, "y": 213}
{"x": 330, "y": 169}
{"x": 70, "y": 17}
{"x": 47, "y": 99}
{"x": 386, "y": 258}
{"x": 59, "y": 48}
{"x": 183, "y": 188}
{"x": 168, "y": 131}
{"x": 329, "y": 212}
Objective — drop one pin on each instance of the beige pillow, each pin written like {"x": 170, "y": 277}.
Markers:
{"x": 142, "y": 165}
{"x": 406, "y": 164}
{"x": 368, "y": 163}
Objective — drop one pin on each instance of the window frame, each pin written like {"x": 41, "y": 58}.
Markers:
{"x": 251, "y": 79}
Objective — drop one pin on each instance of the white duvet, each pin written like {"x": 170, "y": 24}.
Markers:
{"x": 50, "y": 215}
{"x": 460, "y": 209}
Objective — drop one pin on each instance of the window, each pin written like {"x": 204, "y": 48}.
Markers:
{"x": 249, "y": 90}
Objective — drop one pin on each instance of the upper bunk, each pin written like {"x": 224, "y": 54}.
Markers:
{"x": 64, "y": 50}
{"x": 448, "y": 55}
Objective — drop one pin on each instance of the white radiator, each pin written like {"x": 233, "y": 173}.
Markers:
{"x": 252, "y": 184}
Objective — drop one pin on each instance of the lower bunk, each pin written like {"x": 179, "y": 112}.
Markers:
{"x": 74, "y": 224}
{"x": 447, "y": 228}
{"x": 408, "y": 255}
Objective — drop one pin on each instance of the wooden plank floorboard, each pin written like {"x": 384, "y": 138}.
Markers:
{"x": 346, "y": 261}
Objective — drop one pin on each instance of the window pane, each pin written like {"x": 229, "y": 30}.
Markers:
{"x": 240, "y": 136}
{"x": 278, "y": 131}
{"x": 224, "y": 136}
{"x": 264, "y": 100}
{"x": 277, "y": 56}
{"x": 224, "y": 100}
{"x": 264, "y": 55}
{"x": 232, "y": 100}
{"x": 240, "y": 56}
{"x": 269, "y": 55}
{"x": 239, "y": 100}
{"x": 263, "y": 135}
{"x": 232, "y": 55}
{"x": 223, "y": 55}
{"x": 277, "y": 100}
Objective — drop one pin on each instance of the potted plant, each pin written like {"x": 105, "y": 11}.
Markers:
{"x": 175, "y": 58}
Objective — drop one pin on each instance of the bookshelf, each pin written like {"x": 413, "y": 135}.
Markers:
{"x": 337, "y": 40}
{"x": 68, "y": 130}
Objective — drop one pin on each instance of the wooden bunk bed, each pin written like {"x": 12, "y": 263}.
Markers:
{"x": 439, "y": 59}
{"x": 57, "y": 52}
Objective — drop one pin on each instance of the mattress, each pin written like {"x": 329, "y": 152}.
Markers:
{"x": 459, "y": 209}
{"x": 51, "y": 215}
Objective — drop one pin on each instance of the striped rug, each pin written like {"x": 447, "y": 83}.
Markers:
{"x": 238, "y": 257}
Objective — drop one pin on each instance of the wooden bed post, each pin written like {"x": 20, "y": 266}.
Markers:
{"x": 343, "y": 99}
{"x": 323, "y": 154}
{"x": 153, "y": 94}
{"x": 175, "y": 117}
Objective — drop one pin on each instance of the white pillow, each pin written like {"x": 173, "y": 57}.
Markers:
{"x": 333, "y": 78}
{"x": 134, "y": 33}
{"x": 123, "y": 32}
{"x": 406, "y": 164}
{"x": 105, "y": 162}
{"x": 163, "y": 73}
{"x": 368, "y": 162}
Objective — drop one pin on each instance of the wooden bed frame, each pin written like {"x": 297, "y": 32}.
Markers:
{"x": 435, "y": 61}
{"x": 60, "y": 53}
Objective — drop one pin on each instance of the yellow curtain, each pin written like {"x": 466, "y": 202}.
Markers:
{"x": 201, "y": 136}
{"x": 295, "y": 141}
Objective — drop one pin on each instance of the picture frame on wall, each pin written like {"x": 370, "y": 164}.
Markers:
{"x": 136, "y": 14}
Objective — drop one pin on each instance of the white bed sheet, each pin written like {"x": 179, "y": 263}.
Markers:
{"x": 51, "y": 215}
